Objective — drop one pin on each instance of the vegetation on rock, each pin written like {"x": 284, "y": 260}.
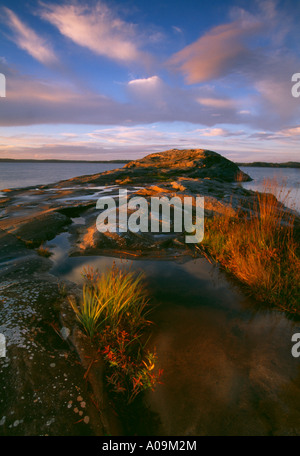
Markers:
{"x": 113, "y": 313}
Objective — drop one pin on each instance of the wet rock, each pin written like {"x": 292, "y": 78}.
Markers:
{"x": 93, "y": 364}
{"x": 40, "y": 228}
{"x": 40, "y": 374}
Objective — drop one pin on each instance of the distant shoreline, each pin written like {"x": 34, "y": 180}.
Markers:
{"x": 250, "y": 165}
{"x": 30, "y": 160}
{"x": 270, "y": 165}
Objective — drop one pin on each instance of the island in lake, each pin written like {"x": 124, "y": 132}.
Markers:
{"x": 271, "y": 165}
{"x": 140, "y": 333}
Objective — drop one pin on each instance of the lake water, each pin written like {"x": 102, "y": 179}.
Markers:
{"x": 287, "y": 178}
{"x": 227, "y": 362}
{"x": 15, "y": 175}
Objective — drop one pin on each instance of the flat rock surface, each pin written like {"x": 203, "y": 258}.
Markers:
{"x": 41, "y": 377}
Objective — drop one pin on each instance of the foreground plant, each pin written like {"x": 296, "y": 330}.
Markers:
{"x": 44, "y": 251}
{"x": 261, "y": 250}
{"x": 113, "y": 312}
{"x": 130, "y": 368}
{"x": 112, "y": 299}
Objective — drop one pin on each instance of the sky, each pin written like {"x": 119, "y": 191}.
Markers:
{"x": 119, "y": 79}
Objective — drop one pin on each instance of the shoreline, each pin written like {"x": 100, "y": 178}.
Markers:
{"x": 293, "y": 165}
{"x": 33, "y": 160}
{"x": 61, "y": 219}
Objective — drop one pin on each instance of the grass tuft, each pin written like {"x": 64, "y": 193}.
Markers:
{"x": 44, "y": 251}
{"x": 261, "y": 249}
{"x": 112, "y": 299}
{"x": 113, "y": 312}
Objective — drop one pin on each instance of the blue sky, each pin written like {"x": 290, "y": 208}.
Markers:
{"x": 121, "y": 79}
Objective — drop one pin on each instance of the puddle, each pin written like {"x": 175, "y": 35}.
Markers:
{"x": 78, "y": 220}
{"x": 227, "y": 362}
{"x": 40, "y": 379}
{"x": 97, "y": 195}
{"x": 228, "y": 368}
{"x": 94, "y": 196}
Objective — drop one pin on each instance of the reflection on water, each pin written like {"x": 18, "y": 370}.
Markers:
{"x": 228, "y": 368}
{"x": 25, "y": 174}
{"x": 287, "y": 178}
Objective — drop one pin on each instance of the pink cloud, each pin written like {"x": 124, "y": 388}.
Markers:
{"x": 290, "y": 132}
{"x": 152, "y": 81}
{"x": 216, "y": 53}
{"x": 95, "y": 28}
{"x": 217, "y": 102}
{"x": 28, "y": 40}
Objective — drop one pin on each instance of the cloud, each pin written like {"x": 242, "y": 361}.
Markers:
{"x": 130, "y": 142}
{"x": 217, "y": 53}
{"x": 250, "y": 62}
{"x": 151, "y": 92}
{"x": 294, "y": 131}
{"x": 152, "y": 81}
{"x": 177, "y": 29}
{"x": 276, "y": 103}
{"x": 196, "y": 105}
{"x": 32, "y": 101}
{"x": 241, "y": 48}
{"x": 219, "y": 132}
{"x": 96, "y": 28}
{"x": 214, "y": 132}
{"x": 28, "y": 40}
{"x": 217, "y": 102}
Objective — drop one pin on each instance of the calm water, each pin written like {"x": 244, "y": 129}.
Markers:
{"x": 15, "y": 175}
{"x": 289, "y": 178}
{"x": 228, "y": 367}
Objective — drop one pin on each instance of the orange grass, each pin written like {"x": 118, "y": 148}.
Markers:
{"x": 44, "y": 251}
{"x": 113, "y": 312}
{"x": 260, "y": 249}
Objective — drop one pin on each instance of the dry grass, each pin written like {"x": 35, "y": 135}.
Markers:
{"x": 261, "y": 250}
{"x": 113, "y": 312}
{"x": 44, "y": 251}
{"x": 114, "y": 298}
{"x": 239, "y": 176}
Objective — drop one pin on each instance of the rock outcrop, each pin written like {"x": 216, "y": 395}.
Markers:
{"x": 166, "y": 166}
{"x": 37, "y": 214}
{"x": 194, "y": 163}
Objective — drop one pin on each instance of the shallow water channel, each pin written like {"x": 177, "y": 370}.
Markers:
{"x": 228, "y": 367}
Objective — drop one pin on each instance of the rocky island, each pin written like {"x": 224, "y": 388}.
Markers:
{"x": 36, "y": 215}
{"x": 44, "y": 341}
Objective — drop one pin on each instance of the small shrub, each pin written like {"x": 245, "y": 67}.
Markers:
{"x": 62, "y": 290}
{"x": 44, "y": 251}
{"x": 130, "y": 369}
